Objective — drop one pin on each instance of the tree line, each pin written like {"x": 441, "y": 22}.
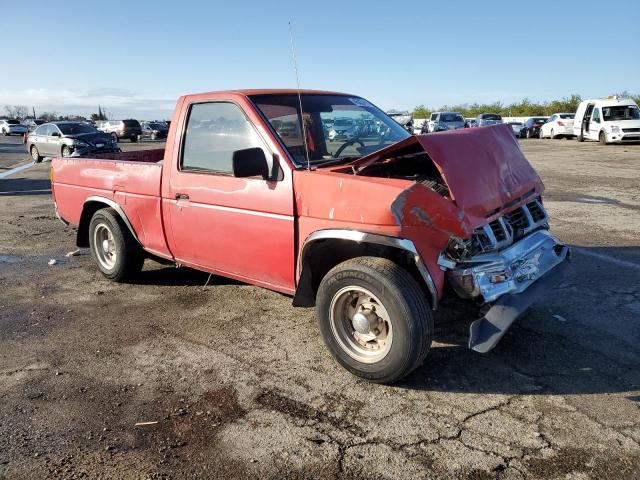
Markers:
{"x": 21, "y": 112}
{"x": 523, "y": 108}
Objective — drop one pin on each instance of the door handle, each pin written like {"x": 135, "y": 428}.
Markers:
{"x": 182, "y": 196}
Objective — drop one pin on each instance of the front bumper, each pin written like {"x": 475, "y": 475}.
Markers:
{"x": 488, "y": 276}
{"x": 485, "y": 333}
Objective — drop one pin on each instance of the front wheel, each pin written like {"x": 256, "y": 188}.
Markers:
{"x": 134, "y": 138}
{"x": 66, "y": 151}
{"x": 35, "y": 154}
{"x": 374, "y": 318}
{"x": 602, "y": 137}
{"x": 117, "y": 253}
{"x": 540, "y": 134}
{"x": 115, "y": 137}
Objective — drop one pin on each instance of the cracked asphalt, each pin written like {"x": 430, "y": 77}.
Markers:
{"x": 169, "y": 378}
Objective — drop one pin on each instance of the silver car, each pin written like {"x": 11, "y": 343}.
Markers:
{"x": 68, "y": 139}
{"x": 12, "y": 127}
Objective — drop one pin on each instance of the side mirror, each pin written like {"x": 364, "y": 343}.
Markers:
{"x": 55, "y": 134}
{"x": 250, "y": 162}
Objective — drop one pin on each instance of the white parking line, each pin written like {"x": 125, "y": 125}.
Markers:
{"x": 607, "y": 258}
{"x": 16, "y": 170}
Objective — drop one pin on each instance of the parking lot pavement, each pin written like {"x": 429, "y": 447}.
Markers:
{"x": 229, "y": 380}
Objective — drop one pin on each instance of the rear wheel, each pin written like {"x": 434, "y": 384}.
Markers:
{"x": 374, "y": 318}
{"x": 602, "y": 137}
{"x": 117, "y": 253}
{"x": 134, "y": 138}
{"x": 35, "y": 154}
{"x": 114, "y": 136}
{"x": 553, "y": 135}
{"x": 528, "y": 134}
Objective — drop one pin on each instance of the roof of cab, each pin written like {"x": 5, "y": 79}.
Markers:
{"x": 271, "y": 91}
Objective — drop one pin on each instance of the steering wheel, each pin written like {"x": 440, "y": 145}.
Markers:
{"x": 346, "y": 144}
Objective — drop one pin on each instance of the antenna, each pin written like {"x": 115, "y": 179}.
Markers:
{"x": 295, "y": 68}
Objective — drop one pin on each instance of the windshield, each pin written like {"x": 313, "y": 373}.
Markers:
{"x": 156, "y": 126}
{"x": 567, "y": 116}
{"x": 621, "y": 112}
{"x": 75, "y": 128}
{"x": 490, "y": 116}
{"x": 357, "y": 127}
{"x": 539, "y": 119}
{"x": 131, "y": 123}
{"x": 13, "y": 122}
{"x": 451, "y": 117}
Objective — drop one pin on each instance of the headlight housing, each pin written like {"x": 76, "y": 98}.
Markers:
{"x": 615, "y": 129}
{"x": 79, "y": 143}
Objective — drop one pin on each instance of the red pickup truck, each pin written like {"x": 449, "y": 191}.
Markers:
{"x": 322, "y": 196}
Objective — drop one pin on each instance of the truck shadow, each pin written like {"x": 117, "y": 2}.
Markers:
{"x": 24, "y": 186}
{"x": 582, "y": 339}
{"x": 183, "y": 276}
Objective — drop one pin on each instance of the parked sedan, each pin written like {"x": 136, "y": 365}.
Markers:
{"x": 12, "y": 127}
{"x": 154, "y": 130}
{"x": 531, "y": 128}
{"x": 485, "y": 119}
{"x": 68, "y": 139}
{"x": 558, "y": 125}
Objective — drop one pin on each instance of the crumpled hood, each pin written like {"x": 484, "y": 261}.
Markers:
{"x": 483, "y": 167}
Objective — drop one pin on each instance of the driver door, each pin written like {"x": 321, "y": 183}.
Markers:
{"x": 595, "y": 124}
{"x": 239, "y": 227}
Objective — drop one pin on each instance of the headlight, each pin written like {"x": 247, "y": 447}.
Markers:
{"x": 615, "y": 129}
{"x": 79, "y": 143}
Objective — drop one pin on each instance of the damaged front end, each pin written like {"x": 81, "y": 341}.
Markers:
{"x": 498, "y": 249}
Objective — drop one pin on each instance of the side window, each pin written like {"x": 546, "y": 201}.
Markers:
{"x": 50, "y": 130}
{"x": 41, "y": 130}
{"x": 433, "y": 117}
{"x": 214, "y": 131}
{"x": 595, "y": 116}
{"x": 553, "y": 118}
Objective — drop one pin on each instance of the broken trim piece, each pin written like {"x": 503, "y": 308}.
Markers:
{"x": 365, "y": 237}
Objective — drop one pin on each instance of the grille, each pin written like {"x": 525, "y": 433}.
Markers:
{"x": 537, "y": 212}
{"x": 499, "y": 233}
{"x": 518, "y": 220}
{"x": 630, "y": 130}
{"x": 511, "y": 227}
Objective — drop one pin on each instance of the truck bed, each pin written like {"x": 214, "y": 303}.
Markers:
{"x": 130, "y": 179}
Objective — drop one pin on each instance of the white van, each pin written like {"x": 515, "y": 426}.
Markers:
{"x": 609, "y": 120}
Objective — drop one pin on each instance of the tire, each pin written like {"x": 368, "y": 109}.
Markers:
{"x": 580, "y": 137}
{"x": 153, "y": 136}
{"x": 403, "y": 329}
{"x": 134, "y": 139}
{"x": 540, "y": 134}
{"x": 552, "y": 135}
{"x": 528, "y": 134}
{"x": 120, "y": 258}
{"x": 66, "y": 151}
{"x": 35, "y": 154}
{"x": 115, "y": 137}
{"x": 602, "y": 137}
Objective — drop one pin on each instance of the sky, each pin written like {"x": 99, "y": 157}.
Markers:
{"x": 135, "y": 58}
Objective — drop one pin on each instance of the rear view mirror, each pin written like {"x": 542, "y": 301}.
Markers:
{"x": 250, "y": 162}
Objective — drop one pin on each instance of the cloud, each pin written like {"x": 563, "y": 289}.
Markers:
{"x": 118, "y": 102}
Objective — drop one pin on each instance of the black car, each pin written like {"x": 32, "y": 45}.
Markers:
{"x": 531, "y": 128}
{"x": 154, "y": 130}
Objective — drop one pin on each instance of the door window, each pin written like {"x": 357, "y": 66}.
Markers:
{"x": 595, "y": 116}
{"x": 41, "y": 130}
{"x": 214, "y": 131}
